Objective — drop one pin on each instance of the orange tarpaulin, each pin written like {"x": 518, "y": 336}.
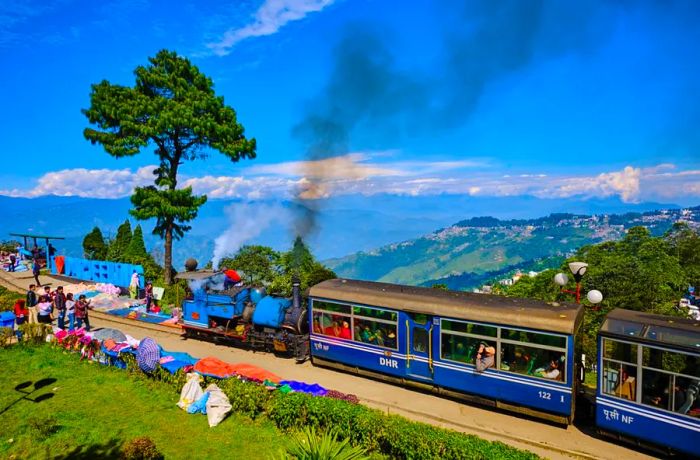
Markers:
{"x": 60, "y": 264}
{"x": 217, "y": 368}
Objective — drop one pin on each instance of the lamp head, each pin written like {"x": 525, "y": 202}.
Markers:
{"x": 561, "y": 279}
{"x": 578, "y": 269}
{"x": 594, "y": 296}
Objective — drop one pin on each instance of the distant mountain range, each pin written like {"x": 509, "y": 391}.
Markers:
{"x": 472, "y": 251}
{"x": 344, "y": 225}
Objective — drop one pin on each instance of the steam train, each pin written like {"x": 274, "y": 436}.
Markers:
{"x": 648, "y": 385}
{"x": 244, "y": 316}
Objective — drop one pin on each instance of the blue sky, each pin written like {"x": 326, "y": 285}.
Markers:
{"x": 551, "y": 99}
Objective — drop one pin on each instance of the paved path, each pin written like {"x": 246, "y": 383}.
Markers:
{"x": 541, "y": 438}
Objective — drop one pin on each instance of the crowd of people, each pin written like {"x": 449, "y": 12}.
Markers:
{"x": 46, "y": 306}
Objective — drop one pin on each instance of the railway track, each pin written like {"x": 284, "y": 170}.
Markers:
{"x": 371, "y": 394}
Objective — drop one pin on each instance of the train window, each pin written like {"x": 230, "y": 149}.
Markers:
{"x": 331, "y": 306}
{"x": 419, "y": 318}
{"x": 332, "y": 325}
{"x": 459, "y": 348}
{"x": 536, "y": 362}
{"x": 657, "y": 389}
{"x": 620, "y": 351}
{"x": 674, "y": 336}
{"x": 375, "y": 333}
{"x": 468, "y": 328}
{"x": 622, "y": 327}
{"x": 535, "y": 338}
{"x": 670, "y": 361}
{"x": 368, "y": 312}
{"x": 620, "y": 380}
{"x": 420, "y": 340}
{"x": 686, "y": 398}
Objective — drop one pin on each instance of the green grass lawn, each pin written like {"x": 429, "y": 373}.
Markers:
{"x": 99, "y": 408}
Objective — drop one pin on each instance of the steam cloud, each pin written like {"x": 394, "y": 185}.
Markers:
{"x": 246, "y": 221}
{"x": 485, "y": 41}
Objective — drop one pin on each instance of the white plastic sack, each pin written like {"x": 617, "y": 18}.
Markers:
{"x": 191, "y": 392}
{"x": 218, "y": 405}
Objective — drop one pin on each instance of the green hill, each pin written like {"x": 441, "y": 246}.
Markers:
{"x": 471, "y": 251}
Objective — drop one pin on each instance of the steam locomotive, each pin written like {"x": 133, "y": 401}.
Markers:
{"x": 244, "y": 316}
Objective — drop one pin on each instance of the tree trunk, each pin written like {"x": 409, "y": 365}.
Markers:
{"x": 168, "y": 256}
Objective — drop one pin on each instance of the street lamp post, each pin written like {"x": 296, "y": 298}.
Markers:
{"x": 578, "y": 269}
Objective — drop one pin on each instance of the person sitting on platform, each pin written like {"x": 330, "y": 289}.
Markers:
{"x": 484, "y": 357}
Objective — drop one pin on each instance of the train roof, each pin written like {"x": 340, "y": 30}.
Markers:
{"x": 650, "y": 327}
{"x": 545, "y": 316}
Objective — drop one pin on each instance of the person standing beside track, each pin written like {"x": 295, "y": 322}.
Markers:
{"x": 31, "y": 302}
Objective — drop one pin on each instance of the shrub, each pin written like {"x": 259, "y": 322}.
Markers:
{"x": 246, "y": 398}
{"x": 34, "y": 334}
{"x": 312, "y": 446}
{"x": 6, "y": 335}
{"x": 43, "y": 425}
{"x": 141, "y": 448}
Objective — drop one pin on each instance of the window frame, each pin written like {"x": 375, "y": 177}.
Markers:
{"x": 640, "y": 373}
{"x": 352, "y": 317}
{"x": 498, "y": 341}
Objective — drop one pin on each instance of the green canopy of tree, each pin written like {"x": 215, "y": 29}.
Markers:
{"x": 137, "y": 247}
{"x": 94, "y": 246}
{"x": 263, "y": 266}
{"x": 116, "y": 251}
{"x": 258, "y": 264}
{"x": 639, "y": 272}
{"x": 173, "y": 107}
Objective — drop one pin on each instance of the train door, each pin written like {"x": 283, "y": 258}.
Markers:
{"x": 419, "y": 346}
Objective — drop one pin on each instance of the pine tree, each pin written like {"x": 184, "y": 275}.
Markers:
{"x": 136, "y": 251}
{"x": 94, "y": 246}
{"x": 173, "y": 107}
{"x": 118, "y": 246}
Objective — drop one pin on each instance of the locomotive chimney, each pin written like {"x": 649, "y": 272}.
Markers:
{"x": 296, "y": 294}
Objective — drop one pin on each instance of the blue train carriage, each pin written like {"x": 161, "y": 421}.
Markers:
{"x": 650, "y": 380}
{"x": 244, "y": 316}
{"x": 429, "y": 338}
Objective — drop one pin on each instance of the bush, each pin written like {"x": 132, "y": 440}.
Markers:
{"x": 141, "y": 448}
{"x": 6, "y": 336}
{"x": 34, "y": 334}
{"x": 246, "y": 398}
{"x": 43, "y": 425}
{"x": 311, "y": 446}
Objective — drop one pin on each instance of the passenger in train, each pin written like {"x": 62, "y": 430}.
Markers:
{"x": 552, "y": 372}
{"x": 627, "y": 387}
{"x": 334, "y": 330}
{"x": 366, "y": 335}
{"x": 390, "y": 340}
{"x": 317, "y": 326}
{"x": 484, "y": 357}
{"x": 460, "y": 353}
{"x": 378, "y": 338}
{"x": 345, "y": 332}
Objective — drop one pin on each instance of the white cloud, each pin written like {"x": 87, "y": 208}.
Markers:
{"x": 94, "y": 183}
{"x": 356, "y": 174}
{"x": 624, "y": 183}
{"x": 269, "y": 18}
